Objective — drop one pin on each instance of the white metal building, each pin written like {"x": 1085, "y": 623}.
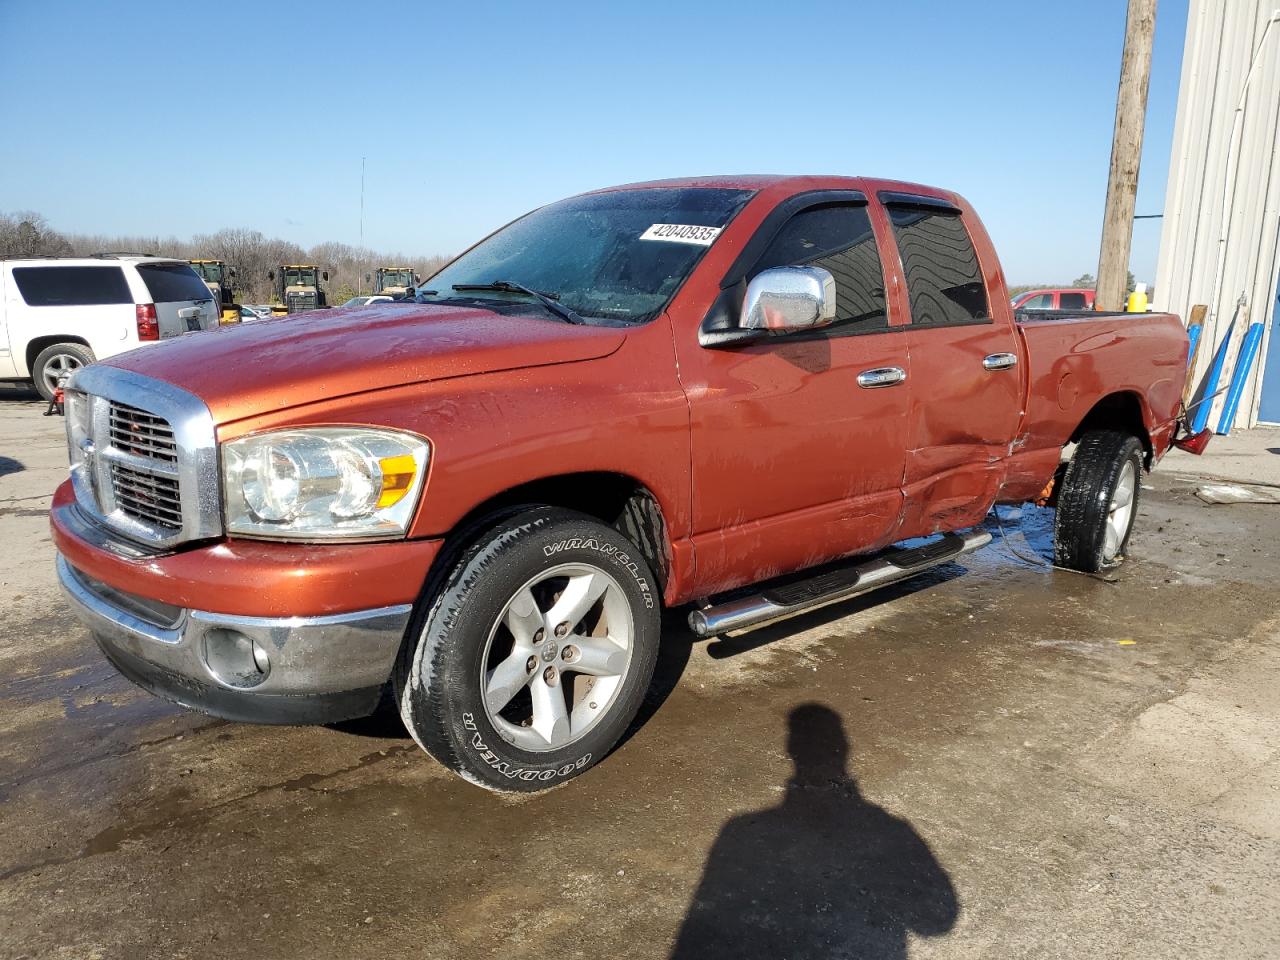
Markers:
{"x": 1224, "y": 159}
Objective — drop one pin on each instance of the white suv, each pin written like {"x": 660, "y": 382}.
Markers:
{"x": 59, "y": 313}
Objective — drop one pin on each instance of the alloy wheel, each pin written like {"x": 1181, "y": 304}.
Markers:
{"x": 58, "y": 366}
{"x": 1120, "y": 512}
{"x": 557, "y": 656}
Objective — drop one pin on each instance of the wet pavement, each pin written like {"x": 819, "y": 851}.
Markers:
{"x": 999, "y": 761}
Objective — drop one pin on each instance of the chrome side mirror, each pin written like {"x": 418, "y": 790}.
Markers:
{"x": 785, "y": 299}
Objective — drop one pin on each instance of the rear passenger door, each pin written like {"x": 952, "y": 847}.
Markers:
{"x": 965, "y": 389}
{"x": 90, "y": 303}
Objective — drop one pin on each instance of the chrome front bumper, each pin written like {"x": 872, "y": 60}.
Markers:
{"x": 255, "y": 669}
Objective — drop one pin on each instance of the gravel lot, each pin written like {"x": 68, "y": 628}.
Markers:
{"x": 1000, "y": 761}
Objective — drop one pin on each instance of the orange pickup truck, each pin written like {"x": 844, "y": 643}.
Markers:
{"x": 733, "y": 393}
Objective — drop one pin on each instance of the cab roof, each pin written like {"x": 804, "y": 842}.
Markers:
{"x": 798, "y": 182}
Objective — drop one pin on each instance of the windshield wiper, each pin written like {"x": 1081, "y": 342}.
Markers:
{"x": 548, "y": 300}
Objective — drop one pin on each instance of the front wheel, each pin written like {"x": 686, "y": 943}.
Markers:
{"x": 1098, "y": 501}
{"x": 535, "y": 653}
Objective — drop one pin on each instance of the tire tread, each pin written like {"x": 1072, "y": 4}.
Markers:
{"x": 423, "y": 700}
{"x": 1079, "y": 526}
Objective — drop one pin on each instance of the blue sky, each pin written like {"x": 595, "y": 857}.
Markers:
{"x": 126, "y": 118}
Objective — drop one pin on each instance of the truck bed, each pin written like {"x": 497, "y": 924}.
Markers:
{"x": 1077, "y": 360}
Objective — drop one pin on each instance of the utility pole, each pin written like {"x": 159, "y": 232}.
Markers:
{"x": 361, "y": 281}
{"x": 1126, "y": 155}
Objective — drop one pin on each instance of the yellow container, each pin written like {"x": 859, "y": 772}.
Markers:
{"x": 229, "y": 315}
{"x": 1137, "y": 300}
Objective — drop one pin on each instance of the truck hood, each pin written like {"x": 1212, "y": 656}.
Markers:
{"x": 244, "y": 370}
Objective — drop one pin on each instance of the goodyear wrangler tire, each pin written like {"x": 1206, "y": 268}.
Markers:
{"x": 1098, "y": 501}
{"x": 535, "y": 652}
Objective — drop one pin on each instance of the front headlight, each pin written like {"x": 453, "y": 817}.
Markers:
{"x": 323, "y": 483}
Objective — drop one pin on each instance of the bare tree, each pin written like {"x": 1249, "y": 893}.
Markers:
{"x": 249, "y": 253}
{"x": 27, "y": 234}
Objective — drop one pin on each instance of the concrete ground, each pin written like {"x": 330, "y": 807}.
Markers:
{"x": 1246, "y": 456}
{"x": 1001, "y": 761}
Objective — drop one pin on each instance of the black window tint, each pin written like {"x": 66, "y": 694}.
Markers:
{"x": 837, "y": 238}
{"x": 171, "y": 282}
{"x": 1071, "y": 301}
{"x": 941, "y": 267}
{"x": 71, "y": 286}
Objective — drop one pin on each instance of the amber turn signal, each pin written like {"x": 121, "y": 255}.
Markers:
{"x": 397, "y": 479}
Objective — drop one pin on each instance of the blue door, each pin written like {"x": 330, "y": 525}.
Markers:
{"x": 1269, "y": 407}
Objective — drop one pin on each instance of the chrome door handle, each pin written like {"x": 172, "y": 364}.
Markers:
{"x": 881, "y": 377}
{"x": 1000, "y": 361}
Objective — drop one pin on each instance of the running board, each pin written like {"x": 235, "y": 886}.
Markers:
{"x": 832, "y": 586}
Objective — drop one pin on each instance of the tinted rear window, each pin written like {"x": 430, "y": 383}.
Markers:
{"x": 172, "y": 282}
{"x": 72, "y": 286}
{"x": 944, "y": 281}
{"x": 1071, "y": 301}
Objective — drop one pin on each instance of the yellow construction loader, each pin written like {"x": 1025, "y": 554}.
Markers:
{"x": 217, "y": 276}
{"x": 394, "y": 281}
{"x": 298, "y": 288}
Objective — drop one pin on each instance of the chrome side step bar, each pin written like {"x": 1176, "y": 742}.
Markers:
{"x": 832, "y": 586}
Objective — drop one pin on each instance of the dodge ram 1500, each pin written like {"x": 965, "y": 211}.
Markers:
{"x": 732, "y": 393}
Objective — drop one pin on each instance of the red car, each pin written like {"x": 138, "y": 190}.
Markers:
{"x": 737, "y": 393}
{"x": 1058, "y": 298}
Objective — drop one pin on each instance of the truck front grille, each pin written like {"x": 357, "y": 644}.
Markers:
{"x": 144, "y": 483}
{"x": 147, "y": 497}
{"x": 142, "y": 434}
{"x": 143, "y": 456}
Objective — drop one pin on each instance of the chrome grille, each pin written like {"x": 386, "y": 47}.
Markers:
{"x": 150, "y": 498}
{"x": 142, "y": 434}
{"x": 143, "y": 456}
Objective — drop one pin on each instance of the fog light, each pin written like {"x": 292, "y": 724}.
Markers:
{"x": 260, "y": 659}
{"x": 234, "y": 659}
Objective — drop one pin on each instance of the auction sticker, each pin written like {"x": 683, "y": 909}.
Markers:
{"x": 682, "y": 233}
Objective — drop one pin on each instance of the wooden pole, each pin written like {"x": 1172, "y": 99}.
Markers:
{"x": 1126, "y": 155}
{"x": 1197, "y": 320}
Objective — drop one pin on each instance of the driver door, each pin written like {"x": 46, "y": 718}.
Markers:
{"x": 795, "y": 461}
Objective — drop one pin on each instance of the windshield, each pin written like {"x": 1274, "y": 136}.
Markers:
{"x": 295, "y": 277}
{"x": 619, "y": 255}
{"x": 212, "y": 272}
{"x": 397, "y": 278}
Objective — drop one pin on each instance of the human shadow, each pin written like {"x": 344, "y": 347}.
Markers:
{"x": 825, "y": 874}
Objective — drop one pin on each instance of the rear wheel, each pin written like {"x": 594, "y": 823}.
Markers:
{"x": 1098, "y": 501}
{"x": 535, "y": 653}
{"x": 54, "y": 363}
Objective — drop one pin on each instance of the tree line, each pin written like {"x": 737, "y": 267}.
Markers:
{"x": 249, "y": 252}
